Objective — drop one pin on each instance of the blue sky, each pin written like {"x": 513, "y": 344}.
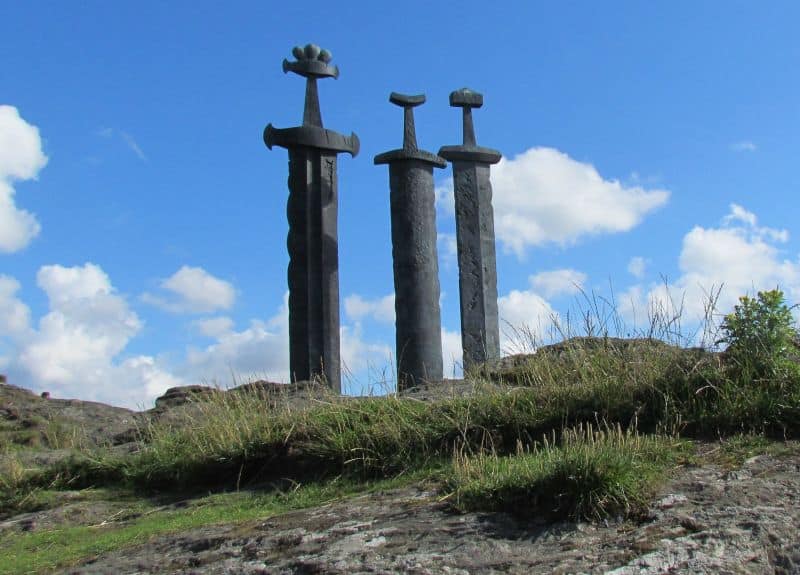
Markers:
{"x": 648, "y": 148}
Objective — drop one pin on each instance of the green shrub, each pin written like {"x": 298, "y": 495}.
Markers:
{"x": 760, "y": 334}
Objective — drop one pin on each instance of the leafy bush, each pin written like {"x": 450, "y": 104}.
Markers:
{"x": 760, "y": 334}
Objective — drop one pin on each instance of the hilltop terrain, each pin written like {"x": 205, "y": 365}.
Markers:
{"x": 85, "y": 490}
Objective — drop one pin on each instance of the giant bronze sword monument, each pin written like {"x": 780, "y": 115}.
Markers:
{"x": 312, "y": 210}
{"x": 416, "y": 267}
{"x": 477, "y": 270}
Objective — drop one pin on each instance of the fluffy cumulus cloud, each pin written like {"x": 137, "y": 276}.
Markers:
{"x": 452, "y": 354}
{"x": 261, "y": 350}
{"x": 558, "y": 282}
{"x": 380, "y": 309}
{"x": 637, "y": 266}
{"x": 738, "y": 257}
{"x": 76, "y": 348}
{"x": 526, "y": 321}
{"x": 14, "y": 320}
{"x": 14, "y": 315}
{"x": 214, "y": 326}
{"x": 544, "y": 196}
{"x": 21, "y": 158}
{"x": 88, "y": 324}
{"x": 193, "y": 290}
{"x": 362, "y": 357}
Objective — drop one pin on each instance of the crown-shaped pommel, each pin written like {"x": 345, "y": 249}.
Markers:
{"x": 312, "y": 62}
{"x": 466, "y": 98}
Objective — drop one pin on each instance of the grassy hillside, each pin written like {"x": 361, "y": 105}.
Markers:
{"x": 585, "y": 429}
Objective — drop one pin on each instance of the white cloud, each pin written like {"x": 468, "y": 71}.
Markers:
{"x": 193, "y": 290}
{"x": 448, "y": 249}
{"x": 17, "y": 227}
{"x": 526, "y": 320}
{"x": 14, "y": 315}
{"x": 544, "y": 196}
{"x": 214, "y": 327}
{"x": 147, "y": 380}
{"x": 262, "y": 351}
{"x": 637, "y": 266}
{"x": 21, "y": 155}
{"x": 381, "y": 309}
{"x": 76, "y": 348}
{"x": 452, "y": 354}
{"x": 738, "y": 257}
{"x": 357, "y": 354}
{"x": 133, "y": 146}
{"x": 558, "y": 282}
{"x": 445, "y": 198}
{"x": 744, "y": 146}
{"x": 739, "y": 214}
{"x": 21, "y": 158}
{"x": 86, "y": 327}
{"x": 130, "y": 142}
{"x": 63, "y": 285}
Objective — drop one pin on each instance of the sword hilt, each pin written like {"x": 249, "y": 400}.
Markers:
{"x": 467, "y": 99}
{"x": 312, "y": 62}
{"x": 408, "y": 103}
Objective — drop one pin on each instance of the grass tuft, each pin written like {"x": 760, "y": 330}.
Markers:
{"x": 588, "y": 474}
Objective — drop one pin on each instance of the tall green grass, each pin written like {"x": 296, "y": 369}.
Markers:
{"x": 233, "y": 438}
{"x": 643, "y": 384}
{"x": 588, "y": 473}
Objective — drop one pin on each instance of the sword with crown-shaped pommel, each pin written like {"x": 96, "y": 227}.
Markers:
{"x": 312, "y": 210}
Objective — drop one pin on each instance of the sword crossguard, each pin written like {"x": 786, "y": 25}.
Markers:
{"x": 312, "y": 63}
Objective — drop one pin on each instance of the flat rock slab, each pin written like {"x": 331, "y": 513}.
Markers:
{"x": 706, "y": 520}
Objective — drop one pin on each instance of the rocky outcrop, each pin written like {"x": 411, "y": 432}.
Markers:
{"x": 73, "y": 421}
{"x": 705, "y": 520}
{"x": 175, "y": 396}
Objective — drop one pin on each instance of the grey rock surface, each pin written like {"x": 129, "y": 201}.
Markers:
{"x": 706, "y": 520}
